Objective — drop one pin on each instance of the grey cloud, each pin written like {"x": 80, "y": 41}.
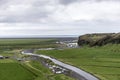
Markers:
{"x": 34, "y": 18}
{"x": 35, "y": 13}
{"x": 2, "y": 2}
{"x": 106, "y": 0}
{"x": 66, "y": 2}
{"x": 73, "y": 28}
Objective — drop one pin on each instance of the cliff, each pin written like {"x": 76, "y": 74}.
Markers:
{"x": 99, "y": 39}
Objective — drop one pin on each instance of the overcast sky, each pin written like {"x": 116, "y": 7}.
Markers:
{"x": 58, "y": 17}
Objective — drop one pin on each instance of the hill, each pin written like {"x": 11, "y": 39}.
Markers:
{"x": 99, "y": 39}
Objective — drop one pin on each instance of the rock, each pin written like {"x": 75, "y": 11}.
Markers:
{"x": 99, "y": 39}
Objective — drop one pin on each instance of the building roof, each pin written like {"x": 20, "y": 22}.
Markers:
{"x": 1, "y": 56}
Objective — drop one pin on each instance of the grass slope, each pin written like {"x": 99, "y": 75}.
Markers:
{"x": 32, "y": 70}
{"x": 13, "y": 71}
{"x": 103, "y": 62}
{"x": 43, "y": 73}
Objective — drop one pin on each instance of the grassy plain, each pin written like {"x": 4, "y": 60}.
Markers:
{"x": 42, "y": 73}
{"x": 11, "y": 69}
{"x": 14, "y": 71}
{"x": 26, "y": 43}
{"x": 29, "y": 70}
{"x": 103, "y": 62}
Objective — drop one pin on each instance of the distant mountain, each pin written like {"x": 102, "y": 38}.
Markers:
{"x": 99, "y": 39}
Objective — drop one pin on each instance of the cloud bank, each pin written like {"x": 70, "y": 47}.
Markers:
{"x": 60, "y": 17}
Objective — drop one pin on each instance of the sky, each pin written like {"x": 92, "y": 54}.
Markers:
{"x": 58, "y": 17}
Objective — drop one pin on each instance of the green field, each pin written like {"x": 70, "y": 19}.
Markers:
{"x": 31, "y": 70}
{"x": 14, "y": 71}
{"x": 26, "y": 43}
{"x": 43, "y": 73}
{"x": 103, "y": 62}
{"x": 11, "y": 69}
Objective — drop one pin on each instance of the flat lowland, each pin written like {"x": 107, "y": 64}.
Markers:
{"x": 42, "y": 73}
{"x": 10, "y": 69}
{"x": 13, "y": 71}
{"x": 26, "y": 43}
{"x": 31, "y": 70}
{"x": 103, "y": 62}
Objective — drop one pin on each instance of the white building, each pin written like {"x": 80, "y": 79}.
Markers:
{"x": 1, "y": 57}
{"x": 72, "y": 45}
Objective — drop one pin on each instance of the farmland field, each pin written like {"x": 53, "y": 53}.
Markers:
{"x": 11, "y": 69}
{"x": 103, "y": 62}
{"x": 31, "y": 70}
{"x": 26, "y": 43}
{"x": 43, "y": 73}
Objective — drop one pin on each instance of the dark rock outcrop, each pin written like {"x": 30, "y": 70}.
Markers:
{"x": 99, "y": 39}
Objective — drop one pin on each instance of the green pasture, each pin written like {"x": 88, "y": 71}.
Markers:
{"x": 14, "y": 71}
{"x": 29, "y": 70}
{"x": 11, "y": 69}
{"x": 26, "y": 43}
{"x": 43, "y": 73}
{"x": 103, "y": 62}
{"x": 6, "y": 61}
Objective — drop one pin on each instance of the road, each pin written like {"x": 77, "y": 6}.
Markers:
{"x": 83, "y": 75}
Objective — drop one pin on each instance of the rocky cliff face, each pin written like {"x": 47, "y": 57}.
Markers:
{"x": 99, "y": 39}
